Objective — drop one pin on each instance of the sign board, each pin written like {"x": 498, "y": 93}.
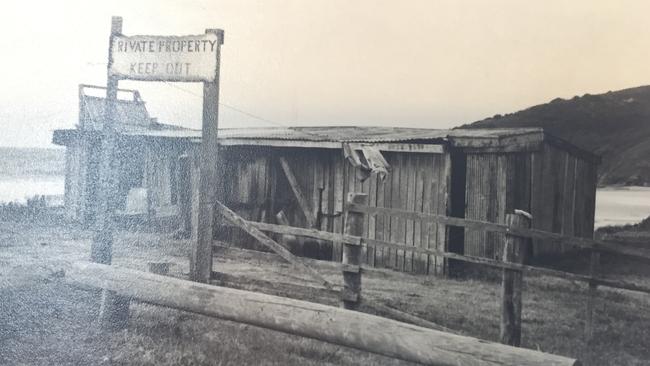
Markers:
{"x": 165, "y": 58}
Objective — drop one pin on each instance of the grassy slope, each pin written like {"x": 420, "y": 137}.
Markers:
{"x": 46, "y": 322}
{"x": 615, "y": 125}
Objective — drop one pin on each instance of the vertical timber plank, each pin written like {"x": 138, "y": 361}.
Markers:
{"x": 418, "y": 259}
{"x": 403, "y": 204}
{"x": 372, "y": 219}
{"x": 410, "y": 201}
{"x": 380, "y": 220}
{"x": 339, "y": 179}
{"x": 395, "y": 203}
{"x": 427, "y": 226}
{"x": 444, "y": 209}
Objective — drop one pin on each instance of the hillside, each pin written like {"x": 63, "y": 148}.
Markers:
{"x": 615, "y": 125}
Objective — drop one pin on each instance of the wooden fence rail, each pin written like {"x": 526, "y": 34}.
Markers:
{"x": 356, "y": 240}
{"x": 229, "y": 215}
{"x": 515, "y": 231}
{"x": 326, "y": 323}
{"x": 299, "y": 231}
{"x": 600, "y": 245}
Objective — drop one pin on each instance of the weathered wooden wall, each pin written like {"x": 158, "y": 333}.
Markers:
{"x": 160, "y": 161}
{"x": 564, "y": 191}
{"x": 255, "y": 187}
{"x": 557, "y": 187}
{"x": 152, "y": 159}
{"x": 75, "y": 168}
{"x": 496, "y": 184}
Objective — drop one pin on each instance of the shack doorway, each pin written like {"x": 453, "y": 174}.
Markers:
{"x": 457, "y": 194}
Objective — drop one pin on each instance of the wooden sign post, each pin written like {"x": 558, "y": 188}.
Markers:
{"x": 193, "y": 58}
{"x": 114, "y": 310}
{"x": 202, "y": 250}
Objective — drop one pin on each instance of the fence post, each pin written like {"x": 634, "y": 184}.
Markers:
{"x": 593, "y": 289}
{"x": 185, "y": 196}
{"x": 511, "y": 284}
{"x": 351, "y": 292}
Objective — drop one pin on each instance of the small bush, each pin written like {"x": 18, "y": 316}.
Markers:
{"x": 35, "y": 209}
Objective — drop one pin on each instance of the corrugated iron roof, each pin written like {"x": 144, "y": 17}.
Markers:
{"x": 364, "y": 133}
{"x": 341, "y": 133}
{"x": 128, "y": 113}
{"x": 133, "y": 120}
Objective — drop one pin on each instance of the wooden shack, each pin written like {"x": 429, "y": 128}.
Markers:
{"x": 300, "y": 176}
{"x": 471, "y": 173}
{"x": 147, "y": 155}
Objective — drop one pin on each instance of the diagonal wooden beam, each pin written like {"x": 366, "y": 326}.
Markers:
{"x": 300, "y": 197}
{"x": 243, "y": 224}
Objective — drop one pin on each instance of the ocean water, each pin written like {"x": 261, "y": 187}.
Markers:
{"x": 20, "y": 189}
{"x": 622, "y": 205}
{"x": 27, "y": 172}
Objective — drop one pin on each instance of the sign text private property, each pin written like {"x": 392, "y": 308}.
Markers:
{"x": 165, "y": 58}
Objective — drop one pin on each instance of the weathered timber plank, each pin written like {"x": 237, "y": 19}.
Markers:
{"x": 444, "y": 207}
{"x": 297, "y": 191}
{"x": 500, "y": 228}
{"x": 402, "y": 147}
{"x": 418, "y": 259}
{"x": 427, "y": 227}
{"x": 624, "y": 285}
{"x": 396, "y": 200}
{"x": 380, "y": 221}
{"x": 270, "y": 243}
{"x": 372, "y": 220}
{"x": 330, "y": 324}
{"x": 298, "y": 231}
{"x": 403, "y": 204}
{"x": 536, "y": 192}
{"x": 410, "y": 206}
{"x": 339, "y": 179}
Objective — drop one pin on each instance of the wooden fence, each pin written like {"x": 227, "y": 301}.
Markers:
{"x": 436, "y": 348}
{"x": 517, "y": 231}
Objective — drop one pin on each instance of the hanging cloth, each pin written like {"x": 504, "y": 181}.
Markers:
{"x": 366, "y": 161}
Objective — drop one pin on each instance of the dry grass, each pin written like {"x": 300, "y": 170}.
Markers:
{"x": 47, "y": 322}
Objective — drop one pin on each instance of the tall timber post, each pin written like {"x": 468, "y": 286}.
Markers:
{"x": 208, "y": 180}
{"x": 113, "y": 309}
{"x": 192, "y": 58}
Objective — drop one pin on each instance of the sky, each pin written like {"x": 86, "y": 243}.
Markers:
{"x": 432, "y": 64}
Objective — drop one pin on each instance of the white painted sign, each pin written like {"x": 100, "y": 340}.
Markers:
{"x": 165, "y": 58}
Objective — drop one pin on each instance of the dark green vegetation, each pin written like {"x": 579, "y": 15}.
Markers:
{"x": 641, "y": 228}
{"x": 615, "y": 125}
{"x": 46, "y": 322}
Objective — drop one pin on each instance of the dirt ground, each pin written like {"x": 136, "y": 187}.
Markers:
{"x": 44, "y": 321}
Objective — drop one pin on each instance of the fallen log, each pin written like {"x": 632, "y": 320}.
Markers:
{"x": 326, "y": 323}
